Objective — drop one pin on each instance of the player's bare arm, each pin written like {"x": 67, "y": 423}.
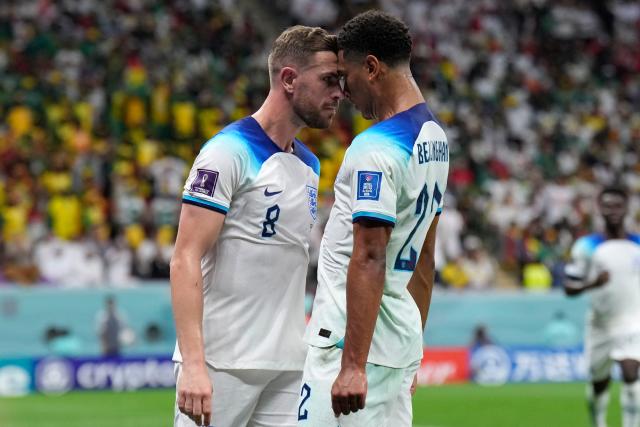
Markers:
{"x": 365, "y": 283}
{"x": 197, "y": 231}
{"x": 421, "y": 283}
{"x": 576, "y": 287}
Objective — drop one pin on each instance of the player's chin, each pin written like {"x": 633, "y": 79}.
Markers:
{"x": 327, "y": 118}
{"x": 320, "y": 123}
{"x": 330, "y": 115}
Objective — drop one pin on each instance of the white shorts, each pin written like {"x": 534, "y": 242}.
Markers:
{"x": 388, "y": 402}
{"x": 604, "y": 348}
{"x": 249, "y": 397}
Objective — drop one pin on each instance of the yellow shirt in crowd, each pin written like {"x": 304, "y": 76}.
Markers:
{"x": 14, "y": 221}
{"x": 65, "y": 213}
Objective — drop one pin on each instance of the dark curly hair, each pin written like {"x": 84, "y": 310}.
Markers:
{"x": 376, "y": 33}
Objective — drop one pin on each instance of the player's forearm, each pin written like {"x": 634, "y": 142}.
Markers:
{"x": 365, "y": 283}
{"x": 575, "y": 288}
{"x": 421, "y": 286}
{"x": 187, "y": 301}
{"x": 572, "y": 291}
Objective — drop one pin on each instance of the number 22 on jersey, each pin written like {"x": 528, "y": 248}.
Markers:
{"x": 422, "y": 206}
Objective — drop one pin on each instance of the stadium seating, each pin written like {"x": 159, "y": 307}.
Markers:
{"x": 104, "y": 106}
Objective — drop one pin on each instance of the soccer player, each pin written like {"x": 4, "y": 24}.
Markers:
{"x": 375, "y": 272}
{"x": 241, "y": 254}
{"x": 608, "y": 265}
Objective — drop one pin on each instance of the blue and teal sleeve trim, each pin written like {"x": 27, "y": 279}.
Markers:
{"x": 438, "y": 211}
{"x": 357, "y": 216}
{"x": 190, "y": 200}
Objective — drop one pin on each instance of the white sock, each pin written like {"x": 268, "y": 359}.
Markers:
{"x": 630, "y": 402}
{"x": 598, "y": 406}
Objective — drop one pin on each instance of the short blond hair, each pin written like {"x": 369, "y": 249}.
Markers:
{"x": 297, "y": 44}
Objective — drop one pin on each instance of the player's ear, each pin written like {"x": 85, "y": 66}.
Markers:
{"x": 287, "y": 78}
{"x": 372, "y": 65}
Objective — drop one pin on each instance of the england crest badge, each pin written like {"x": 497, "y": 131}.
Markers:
{"x": 312, "y": 195}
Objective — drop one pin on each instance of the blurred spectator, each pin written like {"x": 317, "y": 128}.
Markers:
{"x": 480, "y": 337}
{"x": 536, "y": 277}
{"x": 54, "y": 258}
{"x": 560, "y": 332}
{"x": 152, "y": 333}
{"x": 477, "y": 265}
{"x": 454, "y": 275}
{"x": 112, "y": 329}
{"x": 61, "y": 341}
{"x": 450, "y": 228}
{"x": 119, "y": 263}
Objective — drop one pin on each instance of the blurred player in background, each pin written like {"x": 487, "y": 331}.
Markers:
{"x": 376, "y": 266}
{"x": 241, "y": 255}
{"x": 112, "y": 324}
{"x": 608, "y": 265}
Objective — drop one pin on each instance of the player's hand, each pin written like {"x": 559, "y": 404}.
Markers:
{"x": 602, "y": 278}
{"x": 414, "y": 384}
{"x": 194, "y": 393}
{"x": 349, "y": 391}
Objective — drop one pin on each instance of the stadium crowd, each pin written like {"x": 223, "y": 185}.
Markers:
{"x": 104, "y": 104}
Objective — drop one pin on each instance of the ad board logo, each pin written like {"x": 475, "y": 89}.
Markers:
{"x": 125, "y": 374}
{"x": 54, "y": 376}
{"x": 14, "y": 381}
{"x": 444, "y": 365}
{"x": 490, "y": 365}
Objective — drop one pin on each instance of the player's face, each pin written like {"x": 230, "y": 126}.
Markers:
{"x": 354, "y": 80}
{"x": 613, "y": 208}
{"x": 316, "y": 97}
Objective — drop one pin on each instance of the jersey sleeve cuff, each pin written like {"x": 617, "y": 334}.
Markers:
{"x": 438, "y": 211}
{"x": 212, "y": 206}
{"x": 374, "y": 216}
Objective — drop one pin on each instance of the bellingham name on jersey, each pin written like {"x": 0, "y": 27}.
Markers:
{"x": 395, "y": 172}
{"x": 433, "y": 151}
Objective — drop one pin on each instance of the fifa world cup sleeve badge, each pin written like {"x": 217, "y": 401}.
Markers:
{"x": 369, "y": 185}
{"x": 205, "y": 182}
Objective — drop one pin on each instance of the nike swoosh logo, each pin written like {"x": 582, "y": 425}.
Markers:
{"x": 269, "y": 193}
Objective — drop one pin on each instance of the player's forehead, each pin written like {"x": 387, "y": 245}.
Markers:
{"x": 612, "y": 199}
{"x": 341, "y": 64}
{"x": 323, "y": 62}
{"x": 345, "y": 64}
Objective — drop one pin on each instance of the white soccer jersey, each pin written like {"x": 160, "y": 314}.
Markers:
{"x": 254, "y": 276}
{"x": 615, "y": 307}
{"x": 394, "y": 172}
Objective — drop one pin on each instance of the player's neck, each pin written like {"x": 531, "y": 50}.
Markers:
{"x": 615, "y": 232}
{"x": 277, "y": 124}
{"x": 398, "y": 92}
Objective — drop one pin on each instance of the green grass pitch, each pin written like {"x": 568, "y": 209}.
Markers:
{"x": 518, "y": 405}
